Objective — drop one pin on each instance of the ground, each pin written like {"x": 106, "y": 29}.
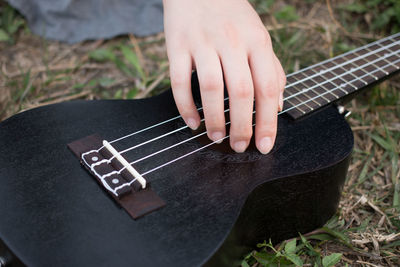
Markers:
{"x": 365, "y": 230}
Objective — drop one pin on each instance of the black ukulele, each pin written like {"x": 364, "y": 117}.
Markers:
{"x": 126, "y": 183}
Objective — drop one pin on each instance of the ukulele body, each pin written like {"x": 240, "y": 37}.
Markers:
{"x": 219, "y": 204}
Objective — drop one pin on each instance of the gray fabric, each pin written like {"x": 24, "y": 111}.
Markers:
{"x": 77, "y": 20}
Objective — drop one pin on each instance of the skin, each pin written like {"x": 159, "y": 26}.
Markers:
{"x": 224, "y": 40}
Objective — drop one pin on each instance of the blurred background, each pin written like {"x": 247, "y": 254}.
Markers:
{"x": 366, "y": 229}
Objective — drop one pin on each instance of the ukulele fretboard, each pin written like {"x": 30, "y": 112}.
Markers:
{"x": 323, "y": 83}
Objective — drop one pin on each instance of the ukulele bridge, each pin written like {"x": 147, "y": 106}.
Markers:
{"x": 120, "y": 179}
{"x": 126, "y": 164}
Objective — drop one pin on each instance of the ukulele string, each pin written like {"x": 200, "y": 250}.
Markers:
{"x": 336, "y": 66}
{"x": 159, "y": 137}
{"x": 217, "y": 141}
{"x": 227, "y": 136}
{"x": 286, "y": 87}
{"x": 144, "y": 129}
{"x": 345, "y": 73}
{"x": 220, "y": 140}
{"x": 287, "y": 98}
{"x": 192, "y": 152}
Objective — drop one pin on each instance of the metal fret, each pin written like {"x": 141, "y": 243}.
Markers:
{"x": 347, "y": 53}
{"x": 384, "y": 59}
{"x": 329, "y": 80}
{"x": 296, "y": 91}
{"x": 395, "y": 36}
{"x": 385, "y": 48}
{"x": 324, "y": 73}
{"x": 362, "y": 69}
{"x": 300, "y": 97}
{"x": 373, "y": 65}
{"x": 313, "y": 82}
{"x": 341, "y": 84}
{"x": 349, "y": 70}
{"x": 395, "y": 62}
{"x": 346, "y": 75}
{"x": 307, "y": 94}
{"x": 319, "y": 88}
{"x": 290, "y": 102}
{"x": 337, "y": 86}
{"x": 369, "y": 78}
{"x": 289, "y": 110}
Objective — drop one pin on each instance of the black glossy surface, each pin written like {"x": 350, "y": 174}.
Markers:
{"x": 53, "y": 213}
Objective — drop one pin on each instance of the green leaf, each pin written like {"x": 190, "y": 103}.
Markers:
{"x": 16, "y": 24}
{"x": 264, "y": 258}
{"x": 122, "y": 67}
{"x": 132, "y": 93}
{"x": 332, "y": 222}
{"x": 391, "y": 245}
{"x": 131, "y": 57}
{"x": 365, "y": 223}
{"x": 321, "y": 237}
{"x": 294, "y": 39}
{"x": 382, "y": 142}
{"x": 364, "y": 170}
{"x": 78, "y": 86}
{"x": 295, "y": 259}
{"x": 92, "y": 83}
{"x": 306, "y": 243}
{"x": 244, "y": 264}
{"x": 338, "y": 235}
{"x": 357, "y": 8}
{"x": 262, "y": 245}
{"x": 290, "y": 247}
{"x": 262, "y": 6}
{"x": 318, "y": 260}
{"x": 331, "y": 260}
{"x": 287, "y": 13}
{"x": 380, "y": 167}
{"x": 4, "y": 36}
{"x": 396, "y": 196}
{"x": 102, "y": 55}
{"x": 118, "y": 94}
{"x": 105, "y": 81}
{"x": 394, "y": 157}
{"x": 265, "y": 244}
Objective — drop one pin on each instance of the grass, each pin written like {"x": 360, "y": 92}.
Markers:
{"x": 365, "y": 229}
{"x": 10, "y": 23}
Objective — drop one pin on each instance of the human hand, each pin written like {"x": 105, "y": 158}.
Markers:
{"x": 224, "y": 40}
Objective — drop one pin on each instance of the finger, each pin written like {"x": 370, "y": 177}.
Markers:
{"x": 280, "y": 102}
{"x": 280, "y": 72}
{"x": 267, "y": 90}
{"x": 181, "y": 73}
{"x": 212, "y": 92}
{"x": 281, "y": 79}
{"x": 241, "y": 96}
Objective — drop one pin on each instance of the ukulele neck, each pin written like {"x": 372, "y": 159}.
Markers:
{"x": 321, "y": 84}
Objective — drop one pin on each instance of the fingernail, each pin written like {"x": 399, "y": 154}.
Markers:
{"x": 265, "y": 145}
{"x": 280, "y": 101}
{"x": 240, "y": 146}
{"x": 217, "y": 136}
{"x": 192, "y": 123}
